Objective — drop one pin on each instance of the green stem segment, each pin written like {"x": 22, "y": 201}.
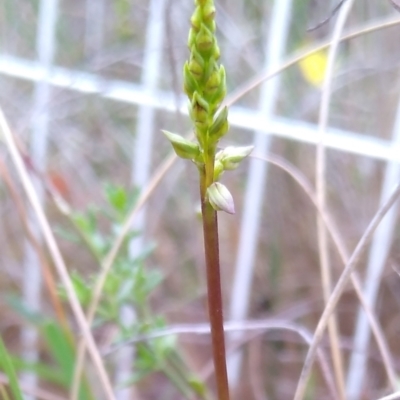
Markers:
{"x": 215, "y": 308}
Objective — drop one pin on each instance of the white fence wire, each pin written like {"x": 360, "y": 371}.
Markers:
{"x": 247, "y": 119}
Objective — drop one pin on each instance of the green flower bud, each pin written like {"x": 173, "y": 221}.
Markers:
{"x": 196, "y": 19}
{"x": 195, "y": 69}
{"x": 208, "y": 12}
{"x": 221, "y": 91}
{"x": 231, "y": 156}
{"x": 213, "y": 83}
{"x": 189, "y": 83}
{"x": 204, "y": 40}
{"x": 192, "y": 38}
{"x": 199, "y": 108}
{"x": 222, "y": 74}
{"x": 201, "y": 3}
{"x": 218, "y": 96}
{"x": 204, "y": 79}
{"x": 220, "y": 125}
{"x": 183, "y": 148}
{"x": 196, "y": 64}
{"x": 201, "y": 128}
{"x": 209, "y": 67}
{"x": 220, "y": 198}
{"x": 216, "y": 52}
{"x": 199, "y": 114}
{"x": 212, "y": 26}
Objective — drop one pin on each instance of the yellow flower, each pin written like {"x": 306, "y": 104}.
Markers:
{"x": 313, "y": 67}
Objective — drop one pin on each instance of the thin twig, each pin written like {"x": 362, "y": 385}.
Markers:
{"x": 326, "y": 369}
{"x": 393, "y": 396}
{"x": 204, "y": 328}
{"x": 326, "y": 274}
{"x": 328, "y": 18}
{"x": 344, "y": 255}
{"x": 232, "y": 326}
{"x": 337, "y": 292}
{"x": 395, "y": 4}
{"x": 265, "y": 75}
{"x": 51, "y": 285}
{"x": 256, "y": 376}
{"x": 55, "y": 254}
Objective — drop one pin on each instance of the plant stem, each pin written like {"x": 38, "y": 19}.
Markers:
{"x": 179, "y": 382}
{"x": 215, "y": 310}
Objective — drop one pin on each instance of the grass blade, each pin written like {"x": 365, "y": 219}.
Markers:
{"x": 6, "y": 365}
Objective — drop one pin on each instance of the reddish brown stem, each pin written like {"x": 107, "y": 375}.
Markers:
{"x": 215, "y": 309}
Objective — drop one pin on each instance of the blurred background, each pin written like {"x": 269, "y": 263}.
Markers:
{"x": 87, "y": 87}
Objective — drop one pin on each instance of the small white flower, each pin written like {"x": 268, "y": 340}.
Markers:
{"x": 220, "y": 198}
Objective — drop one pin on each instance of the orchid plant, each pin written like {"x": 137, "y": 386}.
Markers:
{"x": 205, "y": 86}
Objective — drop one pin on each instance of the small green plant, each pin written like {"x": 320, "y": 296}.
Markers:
{"x": 129, "y": 284}
{"x": 205, "y": 86}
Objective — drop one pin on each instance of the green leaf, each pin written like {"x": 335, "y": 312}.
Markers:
{"x": 7, "y": 366}
{"x": 117, "y": 197}
{"x": 198, "y": 386}
{"x": 183, "y": 148}
{"x": 163, "y": 346}
{"x": 60, "y": 348}
{"x": 64, "y": 354}
{"x": 82, "y": 289}
{"x": 86, "y": 222}
{"x": 50, "y": 373}
{"x": 144, "y": 282}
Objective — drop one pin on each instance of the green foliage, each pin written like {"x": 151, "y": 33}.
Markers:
{"x": 198, "y": 386}
{"x": 8, "y": 368}
{"x": 152, "y": 356}
{"x": 89, "y": 223}
{"x": 129, "y": 283}
{"x": 120, "y": 200}
{"x": 61, "y": 350}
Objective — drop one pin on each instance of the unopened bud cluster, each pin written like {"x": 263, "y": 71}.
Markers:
{"x": 204, "y": 78}
{"x": 205, "y": 86}
{"x": 204, "y": 81}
